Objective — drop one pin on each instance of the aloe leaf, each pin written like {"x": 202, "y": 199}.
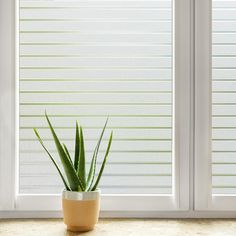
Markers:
{"x": 77, "y": 144}
{"x": 67, "y": 153}
{"x": 103, "y": 164}
{"x": 92, "y": 170}
{"x": 73, "y": 179}
{"x": 81, "y": 171}
{"x": 52, "y": 159}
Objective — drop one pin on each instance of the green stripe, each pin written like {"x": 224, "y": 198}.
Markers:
{"x": 223, "y": 68}
{"x": 224, "y": 103}
{"x": 95, "y": 68}
{"x": 225, "y": 151}
{"x": 224, "y": 175}
{"x": 223, "y": 163}
{"x": 48, "y": 32}
{"x": 224, "y": 91}
{"x": 214, "y": 21}
{"x": 96, "y": 57}
{"x": 96, "y": 116}
{"x": 100, "y": 186}
{"x": 101, "y": 44}
{"x": 114, "y": 151}
{"x": 93, "y": 20}
{"x": 110, "y": 163}
{"x": 100, "y": 33}
{"x": 95, "y": 80}
{"x": 222, "y": 31}
{"x": 96, "y": 92}
{"x": 224, "y": 186}
{"x": 96, "y": 127}
{"x": 90, "y": 139}
{"x": 77, "y": 31}
{"x": 90, "y": 104}
{"x": 225, "y": 139}
{"x": 225, "y": 55}
{"x": 224, "y": 127}
{"x": 108, "y": 175}
{"x": 224, "y": 116}
{"x": 105, "y": 7}
{"x": 224, "y": 80}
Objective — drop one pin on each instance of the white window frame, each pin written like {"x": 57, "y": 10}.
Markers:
{"x": 202, "y": 104}
{"x": 8, "y": 143}
{"x": 13, "y": 204}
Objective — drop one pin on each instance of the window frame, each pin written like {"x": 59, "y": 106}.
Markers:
{"x": 12, "y": 203}
{"x": 8, "y": 122}
{"x": 202, "y": 106}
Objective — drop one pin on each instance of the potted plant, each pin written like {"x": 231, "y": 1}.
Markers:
{"x": 81, "y": 197}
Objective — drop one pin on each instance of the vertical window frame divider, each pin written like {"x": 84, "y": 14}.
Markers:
{"x": 182, "y": 102}
{"x": 8, "y": 121}
{"x": 202, "y": 141}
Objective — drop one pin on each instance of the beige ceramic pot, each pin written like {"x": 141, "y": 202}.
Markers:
{"x": 81, "y": 209}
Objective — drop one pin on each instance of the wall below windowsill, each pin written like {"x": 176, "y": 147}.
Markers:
{"x": 122, "y": 227}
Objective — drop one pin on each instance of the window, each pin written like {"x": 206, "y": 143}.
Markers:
{"x": 90, "y": 60}
{"x": 87, "y": 61}
{"x": 162, "y": 70}
{"x": 223, "y": 97}
{"x": 215, "y": 117}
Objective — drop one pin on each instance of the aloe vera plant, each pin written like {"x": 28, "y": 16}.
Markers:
{"x": 75, "y": 170}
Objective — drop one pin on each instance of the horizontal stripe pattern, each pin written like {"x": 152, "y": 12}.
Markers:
{"x": 224, "y": 97}
{"x": 87, "y": 60}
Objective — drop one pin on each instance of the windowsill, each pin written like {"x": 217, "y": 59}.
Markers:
{"x": 115, "y": 227}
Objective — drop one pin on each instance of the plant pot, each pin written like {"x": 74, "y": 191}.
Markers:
{"x": 81, "y": 209}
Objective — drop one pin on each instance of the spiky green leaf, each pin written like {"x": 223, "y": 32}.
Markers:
{"x": 81, "y": 171}
{"x": 67, "y": 153}
{"x": 103, "y": 164}
{"x": 92, "y": 169}
{"x": 73, "y": 179}
{"x": 52, "y": 159}
{"x": 77, "y": 144}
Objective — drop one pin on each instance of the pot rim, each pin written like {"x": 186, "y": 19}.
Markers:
{"x": 80, "y": 196}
